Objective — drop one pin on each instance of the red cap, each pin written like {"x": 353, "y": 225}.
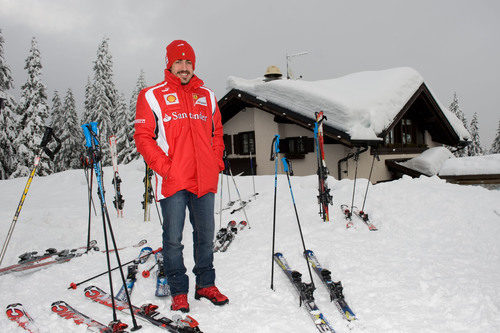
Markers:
{"x": 179, "y": 49}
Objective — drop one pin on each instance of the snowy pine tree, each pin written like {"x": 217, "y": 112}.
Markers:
{"x": 495, "y": 147}
{"x": 129, "y": 152}
{"x": 8, "y": 121}
{"x": 102, "y": 103}
{"x": 58, "y": 123}
{"x": 121, "y": 126}
{"x": 71, "y": 134}
{"x": 89, "y": 103}
{"x": 455, "y": 108}
{"x": 33, "y": 112}
{"x": 475, "y": 148}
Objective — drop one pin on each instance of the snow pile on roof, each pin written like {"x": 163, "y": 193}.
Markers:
{"x": 440, "y": 161}
{"x": 473, "y": 165}
{"x": 430, "y": 161}
{"x": 359, "y": 104}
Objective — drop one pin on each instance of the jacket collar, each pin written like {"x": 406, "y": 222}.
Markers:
{"x": 194, "y": 83}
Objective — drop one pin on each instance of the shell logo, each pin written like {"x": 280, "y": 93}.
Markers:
{"x": 171, "y": 98}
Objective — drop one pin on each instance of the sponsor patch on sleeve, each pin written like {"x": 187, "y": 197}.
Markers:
{"x": 140, "y": 121}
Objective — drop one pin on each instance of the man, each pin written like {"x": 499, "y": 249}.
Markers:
{"x": 178, "y": 131}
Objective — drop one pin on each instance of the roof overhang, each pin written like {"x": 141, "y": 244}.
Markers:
{"x": 435, "y": 120}
{"x": 236, "y": 100}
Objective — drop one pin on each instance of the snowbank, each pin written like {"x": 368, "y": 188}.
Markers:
{"x": 433, "y": 266}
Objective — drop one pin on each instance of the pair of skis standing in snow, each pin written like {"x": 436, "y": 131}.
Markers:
{"x": 324, "y": 197}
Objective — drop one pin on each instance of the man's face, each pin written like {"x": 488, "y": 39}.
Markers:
{"x": 183, "y": 69}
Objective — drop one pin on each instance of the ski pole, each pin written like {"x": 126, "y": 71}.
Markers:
{"x": 156, "y": 204}
{"x": 48, "y": 134}
{"x": 253, "y": 174}
{"x": 239, "y": 195}
{"x": 220, "y": 201}
{"x": 288, "y": 170}
{"x": 75, "y": 285}
{"x": 375, "y": 155}
{"x": 356, "y": 159}
{"x": 94, "y": 146}
{"x": 275, "y": 149}
{"x": 147, "y": 272}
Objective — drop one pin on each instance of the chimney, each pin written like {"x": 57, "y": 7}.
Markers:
{"x": 272, "y": 73}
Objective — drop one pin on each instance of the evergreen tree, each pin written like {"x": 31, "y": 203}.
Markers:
{"x": 129, "y": 152}
{"x": 455, "y": 108}
{"x": 33, "y": 112}
{"x": 71, "y": 135}
{"x": 89, "y": 103}
{"x": 8, "y": 161}
{"x": 475, "y": 148}
{"x": 58, "y": 123}
{"x": 104, "y": 98}
{"x": 121, "y": 126}
{"x": 495, "y": 147}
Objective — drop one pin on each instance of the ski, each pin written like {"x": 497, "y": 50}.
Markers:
{"x": 30, "y": 260}
{"x": 334, "y": 288}
{"x": 118, "y": 200}
{"x": 364, "y": 217}
{"x": 231, "y": 231}
{"x": 66, "y": 311}
{"x": 243, "y": 204}
{"x": 347, "y": 215}
{"x": 305, "y": 292}
{"x": 162, "y": 288}
{"x": 146, "y": 312}
{"x": 324, "y": 196}
{"x": 148, "y": 194}
{"x": 132, "y": 273}
{"x": 17, "y": 313}
{"x": 139, "y": 244}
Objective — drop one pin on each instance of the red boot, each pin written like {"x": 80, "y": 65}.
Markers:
{"x": 212, "y": 294}
{"x": 180, "y": 303}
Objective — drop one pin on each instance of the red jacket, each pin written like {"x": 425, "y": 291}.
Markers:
{"x": 178, "y": 131}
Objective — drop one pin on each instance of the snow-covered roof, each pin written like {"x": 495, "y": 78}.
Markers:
{"x": 362, "y": 104}
{"x": 473, "y": 165}
{"x": 440, "y": 161}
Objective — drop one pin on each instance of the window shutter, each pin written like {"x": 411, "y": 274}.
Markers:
{"x": 237, "y": 144}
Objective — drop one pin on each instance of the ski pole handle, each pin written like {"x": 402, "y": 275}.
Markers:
{"x": 47, "y": 135}
{"x": 275, "y": 147}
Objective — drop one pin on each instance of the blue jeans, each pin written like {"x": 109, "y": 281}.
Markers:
{"x": 201, "y": 216}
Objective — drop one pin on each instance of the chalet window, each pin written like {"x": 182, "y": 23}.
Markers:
{"x": 244, "y": 143}
{"x": 296, "y": 147}
{"x": 407, "y": 134}
{"x": 228, "y": 144}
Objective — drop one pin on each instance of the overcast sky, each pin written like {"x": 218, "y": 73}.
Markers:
{"x": 454, "y": 44}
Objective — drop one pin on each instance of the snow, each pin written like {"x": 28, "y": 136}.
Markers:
{"x": 430, "y": 161}
{"x": 433, "y": 265}
{"x": 439, "y": 160}
{"x": 473, "y": 165}
{"x": 361, "y": 104}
